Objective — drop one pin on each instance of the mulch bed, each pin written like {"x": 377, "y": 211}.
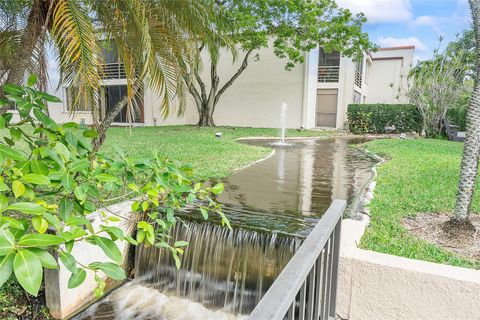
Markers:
{"x": 435, "y": 228}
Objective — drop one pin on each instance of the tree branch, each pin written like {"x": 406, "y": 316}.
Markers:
{"x": 234, "y": 77}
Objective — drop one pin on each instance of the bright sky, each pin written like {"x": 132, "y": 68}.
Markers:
{"x": 412, "y": 22}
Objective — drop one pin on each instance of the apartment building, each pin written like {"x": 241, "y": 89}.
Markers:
{"x": 317, "y": 92}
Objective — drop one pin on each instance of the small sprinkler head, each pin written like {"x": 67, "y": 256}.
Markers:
{"x": 218, "y": 135}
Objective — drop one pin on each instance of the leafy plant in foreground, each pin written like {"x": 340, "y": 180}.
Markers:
{"x": 53, "y": 185}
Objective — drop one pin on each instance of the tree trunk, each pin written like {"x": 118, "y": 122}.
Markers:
{"x": 206, "y": 103}
{"x": 23, "y": 55}
{"x": 471, "y": 149}
{"x": 31, "y": 34}
{"x": 103, "y": 126}
{"x": 205, "y": 117}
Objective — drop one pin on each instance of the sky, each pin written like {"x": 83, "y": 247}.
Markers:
{"x": 412, "y": 22}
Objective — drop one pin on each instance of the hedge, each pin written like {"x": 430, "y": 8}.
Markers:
{"x": 380, "y": 118}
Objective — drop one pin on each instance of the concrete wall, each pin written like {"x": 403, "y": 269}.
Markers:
{"x": 390, "y": 66}
{"x": 255, "y": 98}
{"x": 63, "y": 302}
{"x": 379, "y": 286}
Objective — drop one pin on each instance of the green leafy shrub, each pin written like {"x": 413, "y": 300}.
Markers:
{"x": 52, "y": 180}
{"x": 458, "y": 116}
{"x": 375, "y": 118}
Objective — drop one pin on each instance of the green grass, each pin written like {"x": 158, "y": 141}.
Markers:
{"x": 420, "y": 176}
{"x": 211, "y": 158}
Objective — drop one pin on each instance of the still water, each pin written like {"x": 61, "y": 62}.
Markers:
{"x": 272, "y": 205}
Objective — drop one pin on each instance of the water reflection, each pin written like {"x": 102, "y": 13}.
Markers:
{"x": 272, "y": 205}
{"x": 297, "y": 183}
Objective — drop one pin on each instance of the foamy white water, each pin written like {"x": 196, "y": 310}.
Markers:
{"x": 134, "y": 301}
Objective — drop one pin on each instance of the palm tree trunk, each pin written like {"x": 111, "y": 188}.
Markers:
{"x": 471, "y": 149}
{"x": 22, "y": 57}
{"x": 31, "y": 34}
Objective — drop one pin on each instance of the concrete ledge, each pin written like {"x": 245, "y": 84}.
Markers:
{"x": 380, "y": 286}
{"x": 64, "y": 302}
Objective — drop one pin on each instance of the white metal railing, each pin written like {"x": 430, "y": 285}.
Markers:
{"x": 358, "y": 78}
{"x": 113, "y": 71}
{"x": 307, "y": 287}
{"x": 328, "y": 73}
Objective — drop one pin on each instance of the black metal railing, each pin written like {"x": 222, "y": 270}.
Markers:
{"x": 307, "y": 287}
{"x": 328, "y": 73}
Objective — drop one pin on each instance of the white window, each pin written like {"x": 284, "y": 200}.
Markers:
{"x": 357, "y": 97}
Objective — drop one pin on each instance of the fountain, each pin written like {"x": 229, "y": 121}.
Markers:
{"x": 283, "y": 121}
{"x": 271, "y": 205}
{"x": 283, "y": 127}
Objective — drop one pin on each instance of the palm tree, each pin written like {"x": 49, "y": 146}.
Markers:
{"x": 471, "y": 149}
{"x": 153, "y": 38}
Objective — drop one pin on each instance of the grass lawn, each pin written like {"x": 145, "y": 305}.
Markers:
{"x": 420, "y": 176}
{"x": 211, "y": 158}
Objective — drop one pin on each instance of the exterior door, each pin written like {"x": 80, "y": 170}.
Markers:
{"x": 113, "y": 95}
{"x": 327, "y": 108}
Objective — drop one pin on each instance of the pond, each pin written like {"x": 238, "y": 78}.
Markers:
{"x": 272, "y": 205}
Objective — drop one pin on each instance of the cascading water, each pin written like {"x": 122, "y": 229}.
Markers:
{"x": 221, "y": 268}
{"x": 271, "y": 206}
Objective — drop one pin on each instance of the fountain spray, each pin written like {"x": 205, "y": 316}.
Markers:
{"x": 283, "y": 121}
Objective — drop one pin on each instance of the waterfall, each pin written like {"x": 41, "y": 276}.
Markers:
{"x": 221, "y": 268}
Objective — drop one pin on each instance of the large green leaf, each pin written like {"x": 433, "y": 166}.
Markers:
{"x": 39, "y": 240}
{"x": 80, "y": 193}
{"x": 46, "y": 259}
{"x": 68, "y": 261}
{"x": 6, "y": 268}
{"x": 39, "y": 167}
{"x": 111, "y": 269}
{"x": 62, "y": 150}
{"x": 36, "y": 178}
{"x": 104, "y": 177}
{"x": 7, "y": 242}
{"x": 18, "y": 188}
{"x": 27, "y": 207}
{"x": 65, "y": 208}
{"x": 77, "y": 279}
{"x": 39, "y": 224}
{"x": 28, "y": 271}
{"x": 8, "y": 152}
{"x": 43, "y": 118}
{"x": 218, "y": 188}
{"x": 67, "y": 182}
{"x": 79, "y": 165}
{"x": 109, "y": 248}
{"x": 3, "y": 202}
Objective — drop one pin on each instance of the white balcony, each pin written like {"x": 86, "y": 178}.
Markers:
{"x": 328, "y": 73}
{"x": 113, "y": 71}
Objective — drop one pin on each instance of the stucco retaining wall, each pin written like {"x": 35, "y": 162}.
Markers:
{"x": 380, "y": 286}
{"x": 64, "y": 302}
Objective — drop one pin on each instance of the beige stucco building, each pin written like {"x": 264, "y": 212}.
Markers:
{"x": 317, "y": 92}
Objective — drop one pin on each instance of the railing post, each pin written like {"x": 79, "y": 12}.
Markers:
{"x": 335, "y": 262}
{"x": 313, "y": 267}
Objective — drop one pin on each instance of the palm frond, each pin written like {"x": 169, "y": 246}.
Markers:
{"x": 79, "y": 52}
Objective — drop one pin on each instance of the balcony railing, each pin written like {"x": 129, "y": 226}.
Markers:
{"x": 358, "y": 78}
{"x": 307, "y": 287}
{"x": 113, "y": 71}
{"x": 328, "y": 73}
